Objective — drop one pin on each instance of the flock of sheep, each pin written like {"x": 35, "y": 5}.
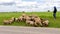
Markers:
{"x": 33, "y": 20}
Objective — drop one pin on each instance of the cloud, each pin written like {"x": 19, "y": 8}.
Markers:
{"x": 7, "y": 2}
{"x": 1, "y": 1}
{"x": 23, "y": 3}
{"x": 29, "y": 5}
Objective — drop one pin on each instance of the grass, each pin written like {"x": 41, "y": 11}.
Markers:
{"x": 47, "y": 15}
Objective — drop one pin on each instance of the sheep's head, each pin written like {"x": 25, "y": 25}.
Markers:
{"x": 13, "y": 18}
{"x": 45, "y": 23}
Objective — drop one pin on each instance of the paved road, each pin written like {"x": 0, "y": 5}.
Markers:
{"x": 28, "y": 30}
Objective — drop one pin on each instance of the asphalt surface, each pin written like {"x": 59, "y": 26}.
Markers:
{"x": 28, "y": 30}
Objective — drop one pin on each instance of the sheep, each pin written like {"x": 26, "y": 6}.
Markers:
{"x": 27, "y": 18}
{"x": 32, "y": 17}
{"x": 37, "y": 21}
{"x": 9, "y": 21}
{"x": 12, "y": 19}
{"x": 16, "y": 19}
{"x": 6, "y": 22}
{"x": 29, "y": 22}
{"x": 20, "y": 19}
{"x": 45, "y": 23}
{"x": 23, "y": 15}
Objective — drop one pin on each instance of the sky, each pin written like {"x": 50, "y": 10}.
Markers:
{"x": 28, "y": 5}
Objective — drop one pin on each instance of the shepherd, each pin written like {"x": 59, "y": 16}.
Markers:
{"x": 54, "y": 12}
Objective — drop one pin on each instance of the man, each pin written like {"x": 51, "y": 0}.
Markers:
{"x": 54, "y": 12}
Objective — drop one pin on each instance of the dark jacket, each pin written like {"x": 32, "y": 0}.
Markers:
{"x": 55, "y": 10}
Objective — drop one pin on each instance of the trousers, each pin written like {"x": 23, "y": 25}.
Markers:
{"x": 54, "y": 15}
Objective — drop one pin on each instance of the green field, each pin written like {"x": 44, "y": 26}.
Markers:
{"x": 46, "y": 15}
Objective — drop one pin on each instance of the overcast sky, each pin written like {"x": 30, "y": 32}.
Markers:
{"x": 28, "y": 5}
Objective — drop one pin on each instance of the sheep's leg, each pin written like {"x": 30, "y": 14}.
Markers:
{"x": 40, "y": 24}
{"x": 5, "y": 23}
{"x": 35, "y": 24}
